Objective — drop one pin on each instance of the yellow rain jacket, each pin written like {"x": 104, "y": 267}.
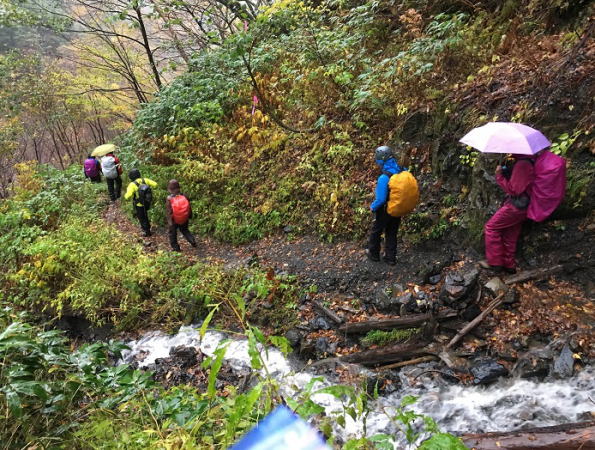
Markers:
{"x": 133, "y": 188}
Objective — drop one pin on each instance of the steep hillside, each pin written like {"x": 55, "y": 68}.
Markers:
{"x": 277, "y": 126}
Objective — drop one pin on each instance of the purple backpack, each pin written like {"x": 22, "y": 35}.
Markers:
{"x": 548, "y": 189}
{"x": 91, "y": 169}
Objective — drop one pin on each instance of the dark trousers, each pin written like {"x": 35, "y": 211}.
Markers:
{"x": 96, "y": 178}
{"x": 143, "y": 218}
{"x": 173, "y": 235}
{"x": 114, "y": 187}
{"x": 389, "y": 225}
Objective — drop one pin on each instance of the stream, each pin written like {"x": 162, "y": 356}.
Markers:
{"x": 506, "y": 405}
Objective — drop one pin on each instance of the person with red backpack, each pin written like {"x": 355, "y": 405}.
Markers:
{"x": 535, "y": 187}
{"x": 92, "y": 169}
{"x": 178, "y": 212}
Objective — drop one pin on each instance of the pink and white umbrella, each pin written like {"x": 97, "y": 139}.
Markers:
{"x": 506, "y": 137}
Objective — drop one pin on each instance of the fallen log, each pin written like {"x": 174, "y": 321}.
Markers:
{"x": 388, "y": 354}
{"x": 493, "y": 305}
{"x": 558, "y": 437}
{"x": 533, "y": 274}
{"x": 406, "y": 363}
{"x": 327, "y": 312}
{"x": 389, "y": 324}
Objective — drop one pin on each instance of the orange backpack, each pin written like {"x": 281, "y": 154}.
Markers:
{"x": 403, "y": 194}
{"x": 180, "y": 207}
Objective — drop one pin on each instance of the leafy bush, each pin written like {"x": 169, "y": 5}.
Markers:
{"x": 43, "y": 385}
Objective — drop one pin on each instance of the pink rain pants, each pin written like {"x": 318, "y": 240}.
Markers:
{"x": 501, "y": 235}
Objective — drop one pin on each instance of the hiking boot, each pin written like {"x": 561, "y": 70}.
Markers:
{"x": 485, "y": 265}
{"x": 372, "y": 256}
{"x": 148, "y": 234}
{"x": 390, "y": 261}
{"x": 498, "y": 269}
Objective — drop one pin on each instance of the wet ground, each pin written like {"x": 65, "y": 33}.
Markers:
{"x": 343, "y": 267}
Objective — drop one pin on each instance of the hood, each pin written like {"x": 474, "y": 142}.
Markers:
{"x": 134, "y": 174}
{"x": 390, "y": 166}
{"x": 173, "y": 187}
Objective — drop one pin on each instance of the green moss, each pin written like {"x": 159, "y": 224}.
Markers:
{"x": 377, "y": 337}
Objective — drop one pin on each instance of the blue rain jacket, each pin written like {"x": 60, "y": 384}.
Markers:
{"x": 388, "y": 166}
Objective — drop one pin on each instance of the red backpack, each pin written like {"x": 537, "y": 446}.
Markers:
{"x": 548, "y": 189}
{"x": 180, "y": 207}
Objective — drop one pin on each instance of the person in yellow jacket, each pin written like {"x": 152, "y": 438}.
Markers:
{"x": 139, "y": 190}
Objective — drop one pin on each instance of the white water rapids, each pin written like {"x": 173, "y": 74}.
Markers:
{"x": 506, "y": 405}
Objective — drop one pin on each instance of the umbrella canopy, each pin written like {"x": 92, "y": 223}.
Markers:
{"x": 103, "y": 150}
{"x": 506, "y": 137}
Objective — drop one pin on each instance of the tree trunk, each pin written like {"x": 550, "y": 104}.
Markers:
{"x": 387, "y": 354}
{"x": 389, "y": 324}
{"x": 559, "y": 437}
{"x": 147, "y": 47}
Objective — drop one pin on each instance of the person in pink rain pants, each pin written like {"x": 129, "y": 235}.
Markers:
{"x": 535, "y": 185}
{"x": 503, "y": 229}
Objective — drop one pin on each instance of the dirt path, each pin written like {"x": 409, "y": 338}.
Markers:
{"x": 334, "y": 268}
{"x": 342, "y": 268}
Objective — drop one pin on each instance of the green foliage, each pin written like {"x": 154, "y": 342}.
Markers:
{"x": 563, "y": 143}
{"x": 579, "y": 183}
{"x": 42, "y": 382}
{"x": 378, "y": 337}
{"x": 469, "y": 157}
{"x": 61, "y": 258}
{"x": 443, "y": 441}
{"x": 202, "y": 96}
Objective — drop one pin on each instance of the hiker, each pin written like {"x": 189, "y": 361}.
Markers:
{"x": 92, "y": 169}
{"x": 178, "y": 211}
{"x": 140, "y": 191}
{"x": 503, "y": 229}
{"x": 384, "y": 222}
{"x": 112, "y": 171}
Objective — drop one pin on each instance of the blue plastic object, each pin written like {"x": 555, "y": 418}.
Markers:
{"x": 282, "y": 430}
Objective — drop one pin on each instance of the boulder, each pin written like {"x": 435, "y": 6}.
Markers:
{"x": 294, "y": 337}
{"x": 185, "y": 356}
{"x": 511, "y": 297}
{"x": 470, "y": 278}
{"x": 383, "y": 383}
{"x": 534, "y": 363}
{"x": 323, "y": 347}
{"x": 496, "y": 286}
{"x": 319, "y": 323}
{"x": 486, "y": 371}
{"x": 434, "y": 279}
{"x": 385, "y": 301}
{"x": 457, "y": 287}
{"x": 563, "y": 366}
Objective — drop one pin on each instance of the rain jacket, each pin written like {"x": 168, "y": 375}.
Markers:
{"x": 522, "y": 176}
{"x": 133, "y": 188}
{"x": 391, "y": 167}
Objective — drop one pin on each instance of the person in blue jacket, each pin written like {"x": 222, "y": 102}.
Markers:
{"x": 383, "y": 222}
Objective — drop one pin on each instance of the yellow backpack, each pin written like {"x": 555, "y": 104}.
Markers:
{"x": 403, "y": 194}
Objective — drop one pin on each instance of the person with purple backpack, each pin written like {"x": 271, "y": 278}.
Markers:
{"x": 92, "y": 169}
{"x": 535, "y": 186}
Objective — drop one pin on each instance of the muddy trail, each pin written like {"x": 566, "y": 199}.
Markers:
{"x": 342, "y": 268}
